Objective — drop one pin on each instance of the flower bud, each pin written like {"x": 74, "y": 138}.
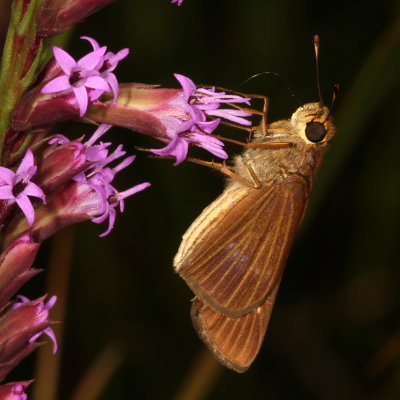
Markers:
{"x": 20, "y": 324}
{"x": 15, "y": 266}
{"x": 59, "y": 163}
{"x": 39, "y": 109}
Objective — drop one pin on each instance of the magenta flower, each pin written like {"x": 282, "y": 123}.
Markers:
{"x": 79, "y": 76}
{"x": 105, "y": 68}
{"x": 207, "y": 102}
{"x": 179, "y": 2}
{"x": 114, "y": 200}
{"x": 202, "y": 104}
{"x": 16, "y": 186}
{"x": 199, "y": 136}
{"x": 98, "y": 176}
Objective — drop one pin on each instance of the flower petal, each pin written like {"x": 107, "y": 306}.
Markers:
{"x": 64, "y": 60}
{"x": 6, "y": 176}
{"x": 32, "y": 189}
{"x": 26, "y": 163}
{"x": 133, "y": 190}
{"x": 187, "y": 84}
{"x": 81, "y": 98}
{"x": 116, "y": 58}
{"x": 26, "y": 207}
{"x": 100, "y": 131}
{"x": 113, "y": 82}
{"x": 92, "y": 59}
{"x": 57, "y": 85}
{"x": 231, "y": 115}
{"x": 93, "y": 42}
{"x": 97, "y": 82}
{"x": 111, "y": 220}
{"x": 177, "y": 148}
{"x": 6, "y": 193}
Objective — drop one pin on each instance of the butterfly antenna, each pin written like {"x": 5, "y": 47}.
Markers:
{"x": 316, "y": 51}
{"x": 275, "y": 74}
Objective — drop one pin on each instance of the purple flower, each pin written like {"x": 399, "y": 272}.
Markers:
{"x": 179, "y": 2}
{"x": 207, "y": 102}
{"x": 202, "y": 104}
{"x": 105, "y": 68}
{"x": 16, "y": 186}
{"x": 79, "y": 76}
{"x": 42, "y": 310}
{"x": 98, "y": 176}
{"x": 199, "y": 136}
{"x": 115, "y": 200}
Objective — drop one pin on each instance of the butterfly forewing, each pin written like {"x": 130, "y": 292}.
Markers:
{"x": 234, "y": 341}
{"x": 236, "y": 265}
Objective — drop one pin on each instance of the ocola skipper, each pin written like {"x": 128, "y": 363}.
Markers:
{"x": 234, "y": 253}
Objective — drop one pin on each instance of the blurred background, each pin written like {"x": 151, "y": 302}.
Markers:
{"x": 335, "y": 328}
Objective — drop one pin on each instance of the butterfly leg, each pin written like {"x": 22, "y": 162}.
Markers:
{"x": 270, "y": 145}
{"x": 221, "y": 167}
{"x": 263, "y": 113}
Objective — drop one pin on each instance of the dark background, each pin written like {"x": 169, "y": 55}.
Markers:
{"x": 335, "y": 328}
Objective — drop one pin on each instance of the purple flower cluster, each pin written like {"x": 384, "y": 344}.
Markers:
{"x": 89, "y": 77}
{"x": 98, "y": 176}
{"x": 201, "y": 104}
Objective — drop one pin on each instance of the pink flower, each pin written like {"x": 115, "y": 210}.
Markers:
{"x": 99, "y": 177}
{"x": 203, "y": 104}
{"x": 179, "y": 2}
{"x": 94, "y": 193}
{"x": 79, "y": 76}
{"x": 207, "y": 102}
{"x": 16, "y": 186}
{"x": 108, "y": 64}
{"x": 179, "y": 145}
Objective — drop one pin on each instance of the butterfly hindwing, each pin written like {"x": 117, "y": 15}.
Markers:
{"x": 235, "y": 262}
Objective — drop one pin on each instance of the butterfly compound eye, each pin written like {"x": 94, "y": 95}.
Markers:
{"x": 315, "y": 132}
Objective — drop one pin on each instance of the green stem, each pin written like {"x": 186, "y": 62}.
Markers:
{"x": 21, "y": 56}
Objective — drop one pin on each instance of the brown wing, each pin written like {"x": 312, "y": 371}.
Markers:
{"x": 235, "y": 342}
{"x": 233, "y": 257}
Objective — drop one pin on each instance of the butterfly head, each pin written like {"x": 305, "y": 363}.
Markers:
{"x": 313, "y": 123}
